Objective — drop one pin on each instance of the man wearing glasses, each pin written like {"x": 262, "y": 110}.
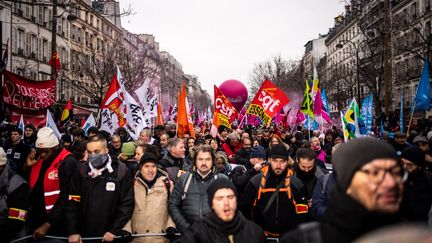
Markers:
{"x": 367, "y": 194}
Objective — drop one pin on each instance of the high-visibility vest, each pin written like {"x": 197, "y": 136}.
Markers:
{"x": 300, "y": 208}
{"x": 51, "y": 179}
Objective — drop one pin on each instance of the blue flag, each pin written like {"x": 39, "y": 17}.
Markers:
{"x": 366, "y": 114}
{"x": 422, "y": 98}
{"x": 401, "y": 114}
{"x": 381, "y": 128}
{"x": 324, "y": 100}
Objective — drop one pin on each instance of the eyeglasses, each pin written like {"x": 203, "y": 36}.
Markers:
{"x": 377, "y": 175}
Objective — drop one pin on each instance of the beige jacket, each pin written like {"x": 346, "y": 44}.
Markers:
{"x": 151, "y": 211}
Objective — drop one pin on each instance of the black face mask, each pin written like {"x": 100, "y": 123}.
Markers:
{"x": 304, "y": 174}
{"x": 98, "y": 161}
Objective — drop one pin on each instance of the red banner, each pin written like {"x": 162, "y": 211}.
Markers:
{"x": 28, "y": 94}
{"x": 267, "y": 102}
{"x": 35, "y": 117}
{"x": 224, "y": 111}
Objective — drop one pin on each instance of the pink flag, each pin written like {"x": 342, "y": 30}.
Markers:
{"x": 319, "y": 108}
{"x": 300, "y": 117}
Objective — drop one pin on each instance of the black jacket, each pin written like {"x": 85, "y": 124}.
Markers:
{"x": 241, "y": 175}
{"x": 242, "y": 156}
{"x": 186, "y": 209}
{"x": 212, "y": 229}
{"x": 281, "y": 215}
{"x": 417, "y": 196}
{"x": 18, "y": 154}
{"x": 309, "y": 180}
{"x": 344, "y": 221}
{"x": 172, "y": 165}
{"x": 106, "y": 202}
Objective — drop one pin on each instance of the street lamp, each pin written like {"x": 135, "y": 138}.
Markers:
{"x": 340, "y": 46}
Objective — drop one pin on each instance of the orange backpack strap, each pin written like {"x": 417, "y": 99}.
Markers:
{"x": 262, "y": 183}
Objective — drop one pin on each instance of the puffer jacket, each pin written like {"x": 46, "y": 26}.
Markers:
{"x": 187, "y": 208}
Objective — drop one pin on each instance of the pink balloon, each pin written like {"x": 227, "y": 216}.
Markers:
{"x": 235, "y": 91}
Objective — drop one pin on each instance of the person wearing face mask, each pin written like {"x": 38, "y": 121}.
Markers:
{"x": 101, "y": 196}
{"x": 306, "y": 170}
{"x": 51, "y": 169}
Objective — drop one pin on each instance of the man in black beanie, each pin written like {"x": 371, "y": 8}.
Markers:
{"x": 418, "y": 187}
{"x": 274, "y": 198}
{"x": 366, "y": 196}
{"x": 224, "y": 223}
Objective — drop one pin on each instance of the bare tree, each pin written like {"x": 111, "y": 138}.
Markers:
{"x": 286, "y": 74}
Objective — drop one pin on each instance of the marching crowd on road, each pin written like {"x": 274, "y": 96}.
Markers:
{"x": 250, "y": 184}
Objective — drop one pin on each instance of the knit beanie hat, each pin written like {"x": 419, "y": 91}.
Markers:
{"x": 420, "y": 139}
{"x": 278, "y": 151}
{"x": 351, "y": 156}
{"x": 217, "y": 184}
{"x": 3, "y": 158}
{"x": 148, "y": 158}
{"x": 128, "y": 149}
{"x": 46, "y": 138}
{"x": 415, "y": 155}
{"x": 258, "y": 152}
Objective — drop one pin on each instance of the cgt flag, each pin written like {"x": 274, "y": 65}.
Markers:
{"x": 267, "y": 102}
{"x": 224, "y": 111}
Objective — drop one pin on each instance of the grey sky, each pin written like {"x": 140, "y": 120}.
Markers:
{"x": 223, "y": 39}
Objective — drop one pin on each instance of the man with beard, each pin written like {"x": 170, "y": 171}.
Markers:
{"x": 306, "y": 170}
{"x": 399, "y": 143}
{"x": 366, "y": 196}
{"x": 275, "y": 199}
{"x": 173, "y": 161}
{"x": 265, "y": 139}
{"x": 52, "y": 168}
{"x": 188, "y": 202}
{"x": 101, "y": 196}
{"x": 418, "y": 187}
{"x": 242, "y": 156}
{"x": 224, "y": 223}
{"x": 17, "y": 151}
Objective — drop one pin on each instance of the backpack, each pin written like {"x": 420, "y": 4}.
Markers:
{"x": 186, "y": 185}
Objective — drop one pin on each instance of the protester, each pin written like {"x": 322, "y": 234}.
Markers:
{"x": 221, "y": 163}
{"x": 14, "y": 203}
{"x": 142, "y": 149}
{"x": 242, "y": 156}
{"x": 123, "y": 134}
{"x": 30, "y": 135}
{"x": 320, "y": 158}
{"x": 173, "y": 162}
{"x": 188, "y": 202}
{"x": 115, "y": 146}
{"x": 399, "y": 143}
{"x": 164, "y": 139}
{"x": 418, "y": 187}
{"x": 101, "y": 196}
{"x": 307, "y": 171}
{"x": 231, "y": 147}
{"x": 274, "y": 199}
{"x": 51, "y": 170}
{"x": 77, "y": 137}
{"x": 152, "y": 190}
{"x": 367, "y": 194}
{"x": 265, "y": 138}
{"x": 241, "y": 175}
{"x": 127, "y": 156}
{"x": 17, "y": 151}
{"x": 224, "y": 223}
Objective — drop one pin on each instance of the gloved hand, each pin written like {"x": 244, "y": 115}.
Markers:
{"x": 170, "y": 233}
{"x": 126, "y": 236}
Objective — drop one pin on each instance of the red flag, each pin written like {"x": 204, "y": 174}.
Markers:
{"x": 224, "y": 111}
{"x": 83, "y": 121}
{"x": 114, "y": 101}
{"x": 67, "y": 111}
{"x": 55, "y": 62}
{"x": 267, "y": 102}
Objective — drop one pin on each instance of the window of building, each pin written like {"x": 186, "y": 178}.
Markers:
{"x": 34, "y": 47}
{"x": 45, "y": 50}
{"x": 20, "y": 41}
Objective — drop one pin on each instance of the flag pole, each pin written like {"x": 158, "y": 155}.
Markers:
{"x": 411, "y": 117}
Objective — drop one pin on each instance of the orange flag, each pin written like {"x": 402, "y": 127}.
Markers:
{"x": 67, "y": 111}
{"x": 184, "y": 120}
{"x": 159, "y": 114}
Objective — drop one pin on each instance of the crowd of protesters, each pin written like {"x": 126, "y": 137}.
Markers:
{"x": 253, "y": 184}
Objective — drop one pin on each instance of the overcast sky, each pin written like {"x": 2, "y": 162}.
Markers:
{"x": 223, "y": 39}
